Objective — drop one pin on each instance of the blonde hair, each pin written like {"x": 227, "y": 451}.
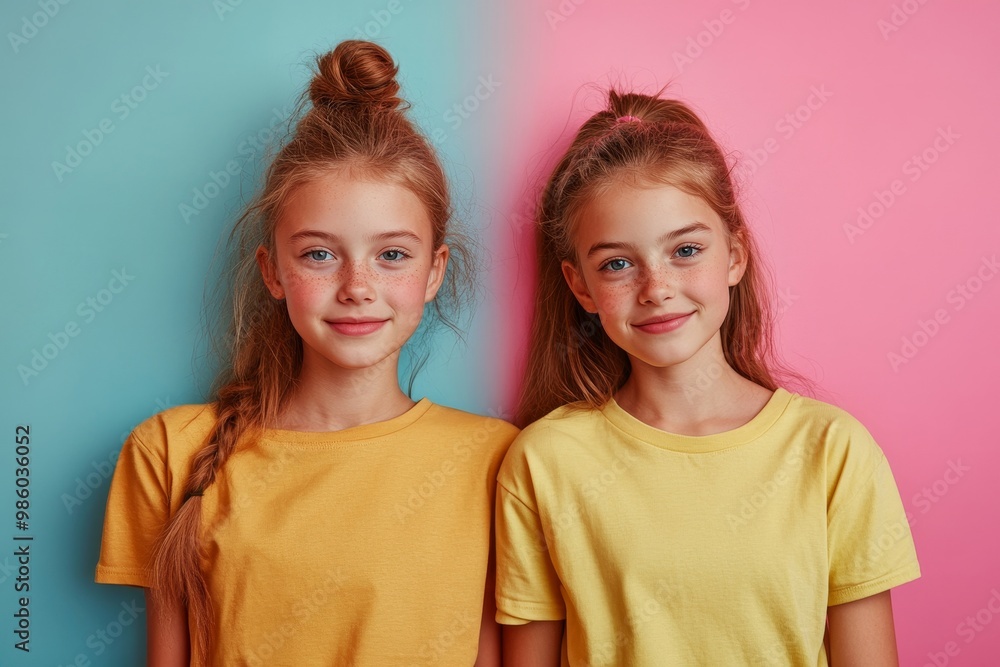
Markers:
{"x": 350, "y": 116}
{"x": 638, "y": 139}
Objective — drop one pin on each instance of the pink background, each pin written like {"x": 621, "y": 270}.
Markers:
{"x": 849, "y": 304}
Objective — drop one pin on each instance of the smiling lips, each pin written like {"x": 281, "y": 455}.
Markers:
{"x": 351, "y": 326}
{"x": 663, "y": 323}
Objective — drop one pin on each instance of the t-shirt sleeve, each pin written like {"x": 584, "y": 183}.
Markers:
{"x": 138, "y": 506}
{"x": 870, "y": 545}
{"x": 527, "y": 585}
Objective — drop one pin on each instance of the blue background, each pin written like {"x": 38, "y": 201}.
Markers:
{"x": 228, "y": 68}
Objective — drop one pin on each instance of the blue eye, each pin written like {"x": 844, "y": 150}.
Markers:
{"x": 694, "y": 251}
{"x": 616, "y": 264}
{"x": 319, "y": 255}
{"x": 394, "y": 255}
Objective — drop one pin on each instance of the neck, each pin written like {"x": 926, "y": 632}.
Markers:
{"x": 698, "y": 396}
{"x": 331, "y": 398}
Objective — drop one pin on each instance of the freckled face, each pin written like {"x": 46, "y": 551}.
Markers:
{"x": 655, "y": 264}
{"x": 355, "y": 263}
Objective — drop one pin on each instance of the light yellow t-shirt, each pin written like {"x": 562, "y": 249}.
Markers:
{"x": 665, "y": 549}
{"x": 366, "y": 546}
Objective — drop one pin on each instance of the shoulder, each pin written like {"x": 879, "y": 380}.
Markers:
{"x": 460, "y": 419}
{"x": 820, "y": 412}
{"x": 847, "y": 444}
{"x": 175, "y": 433}
{"x": 554, "y": 436}
{"x": 571, "y": 423}
{"x": 478, "y": 441}
{"x": 469, "y": 427}
{"x": 832, "y": 421}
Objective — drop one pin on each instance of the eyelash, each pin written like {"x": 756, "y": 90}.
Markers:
{"x": 606, "y": 265}
{"x": 695, "y": 246}
{"x": 308, "y": 254}
{"x": 403, "y": 254}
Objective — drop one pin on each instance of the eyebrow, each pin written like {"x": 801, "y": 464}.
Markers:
{"x": 373, "y": 238}
{"x": 694, "y": 227}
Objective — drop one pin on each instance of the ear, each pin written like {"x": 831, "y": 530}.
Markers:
{"x": 269, "y": 273}
{"x": 737, "y": 261}
{"x": 439, "y": 265}
{"x": 578, "y": 286}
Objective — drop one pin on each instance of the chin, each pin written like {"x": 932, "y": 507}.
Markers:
{"x": 352, "y": 357}
{"x": 357, "y": 363}
{"x": 661, "y": 358}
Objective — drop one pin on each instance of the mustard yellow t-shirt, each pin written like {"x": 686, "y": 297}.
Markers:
{"x": 366, "y": 546}
{"x": 727, "y": 549}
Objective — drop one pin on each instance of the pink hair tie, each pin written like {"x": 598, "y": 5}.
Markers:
{"x": 627, "y": 119}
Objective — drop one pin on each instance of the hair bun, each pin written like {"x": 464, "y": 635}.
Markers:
{"x": 355, "y": 73}
{"x": 652, "y": 108}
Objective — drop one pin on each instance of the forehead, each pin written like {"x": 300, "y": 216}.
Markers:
{"x": 629, "y": 211}
{"x": 341, "y": 202}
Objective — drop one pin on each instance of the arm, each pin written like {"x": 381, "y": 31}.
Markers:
{"x": 167, "y": 641}
{"x": 862, "y": 633}
{"x": 489, "y": 629}
{"x": 535, "y": 644}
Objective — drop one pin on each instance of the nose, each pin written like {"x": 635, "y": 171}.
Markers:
{"x": 658, "y": 283}
{"x": 356, "y": 283}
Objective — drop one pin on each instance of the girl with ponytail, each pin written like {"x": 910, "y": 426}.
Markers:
{"x": 312, "y": 513}
{"x": 668, "y": 501}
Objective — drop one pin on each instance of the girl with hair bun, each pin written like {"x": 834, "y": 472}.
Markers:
{"x": 668, "y": 501}
{"x": 313, "y": 513}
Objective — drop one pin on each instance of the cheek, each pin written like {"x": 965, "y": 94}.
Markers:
{"x": 304, "y": 289}
{"x": 405, "y": 289}
{"x": 613, "y": 298}
{"x": 708, "y": 285}
{"x": 403, "y": 292}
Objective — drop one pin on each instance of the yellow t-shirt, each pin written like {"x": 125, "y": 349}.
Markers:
{"x": 366, "y": 546}
{"x": 665, "y": 549}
